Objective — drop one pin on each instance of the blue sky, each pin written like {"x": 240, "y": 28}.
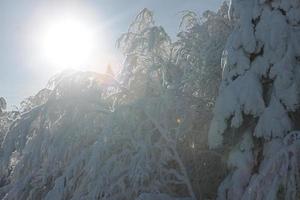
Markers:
{"x": 21, "y": 75}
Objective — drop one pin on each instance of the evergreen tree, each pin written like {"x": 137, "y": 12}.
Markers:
{"x": 255, "y": 116}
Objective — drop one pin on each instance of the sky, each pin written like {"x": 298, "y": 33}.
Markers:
{"x": 23, "y": 72}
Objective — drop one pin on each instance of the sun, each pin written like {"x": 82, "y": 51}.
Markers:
{"x": 68, "y": 43}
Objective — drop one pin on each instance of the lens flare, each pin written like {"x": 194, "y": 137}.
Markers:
{"x": 68, "y": 42}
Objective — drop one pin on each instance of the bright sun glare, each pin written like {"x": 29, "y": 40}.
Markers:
{"x": 68, "y": 42}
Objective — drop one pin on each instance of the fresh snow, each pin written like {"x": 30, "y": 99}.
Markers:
{"x": 258, "y": 97}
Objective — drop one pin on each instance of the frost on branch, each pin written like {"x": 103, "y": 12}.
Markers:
{"x": 198, "y": 51}
{"x": 194, "y": 79}
{"x": 2, "y": 104}
{"x": 77, "y": 143}
{"x": 45, "y": 139}
{"x": 147, "y": 50}
{"x": 6, "y": 119}
{"x": 67, "y": 149}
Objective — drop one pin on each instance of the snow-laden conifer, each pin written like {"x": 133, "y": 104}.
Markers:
{"x": 255, "y": 116}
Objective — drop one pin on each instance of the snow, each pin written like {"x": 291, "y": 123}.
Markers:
{"x": 243, "y": 95}
{"x": 279, "y": 172}
{"x": 294, "y": 16}
{"x": 241, "y": 160}
{"x": 79, "y": 140}
{"x": 260, "y": 81}
{"x": 94, "y": 136}
{"x": 274, "y": 122}
{"x": 146, "y": 196}
{"x": 2, "y": 104}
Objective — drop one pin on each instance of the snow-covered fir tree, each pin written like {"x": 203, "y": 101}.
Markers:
{"x": 256, "y": 116}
